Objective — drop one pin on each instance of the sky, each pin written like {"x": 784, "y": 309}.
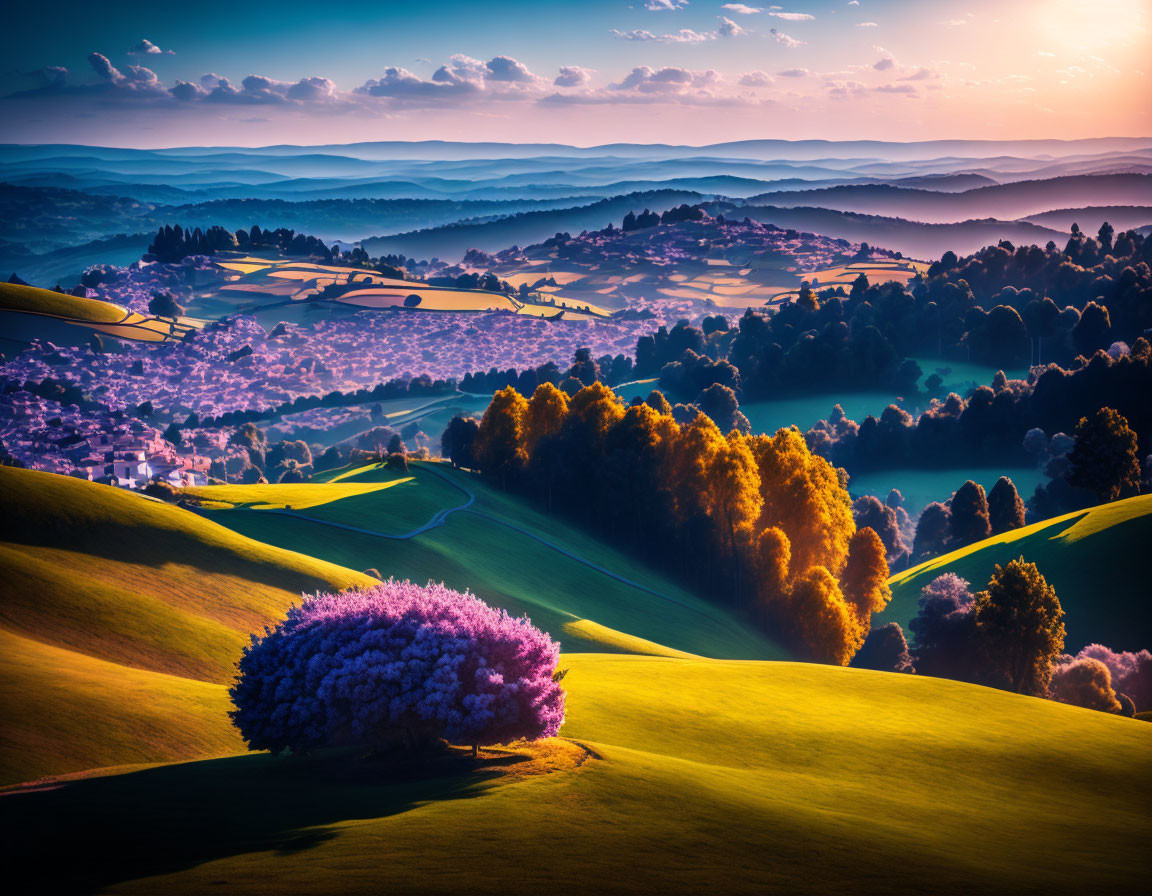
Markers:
{"x": 583, "y": 72}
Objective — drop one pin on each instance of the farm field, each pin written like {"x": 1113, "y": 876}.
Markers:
{"x": 842, "y": 779}
{"x": 749, "y": 280}
{"x": 1096, "y": 560}
{"x": 19, "y": 301}
{"x": 277, "y": 285}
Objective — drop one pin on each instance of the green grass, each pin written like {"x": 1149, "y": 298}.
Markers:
{"x": 33, "y": 299}
{"x": 703, "y": 775}
{"x": 295, "y": 495}
{"x": 1096, "y": 559}
{"x": 710, "y": 776}
{"x": 121, "y": 584}
{"x": 581, "y": 607}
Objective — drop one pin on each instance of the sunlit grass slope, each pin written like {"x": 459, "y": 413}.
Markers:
{"x": 581, "y": 606}
{"x": 278, "y": 496}
{"x": 100, "y": 583}
{"x": 1096, "y": 559}
{"x": 34, "y": 300}
{"x": 711, "y": 777}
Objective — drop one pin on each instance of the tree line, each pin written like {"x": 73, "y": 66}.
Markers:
{"x": 759, "y": 523}
{"x": 1003, "y": 306}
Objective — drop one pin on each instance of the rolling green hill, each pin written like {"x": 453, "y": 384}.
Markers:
{"x": 116, "y": 614}
{"x": 34, "y": 300}
{"x": 701, "y": 776}
{"x": 583, "y": 591}
{"x": 1096, "y": 559}
{"x": 674, "y": 774}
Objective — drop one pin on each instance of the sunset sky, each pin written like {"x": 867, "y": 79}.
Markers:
{"x": 583, "y": 72}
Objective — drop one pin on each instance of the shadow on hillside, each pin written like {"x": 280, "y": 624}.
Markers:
{"x": 83, "y": 835}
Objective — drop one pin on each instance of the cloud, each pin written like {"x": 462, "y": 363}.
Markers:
{"x": 399, "y": 83}
{"x": 896, "y": 88}
{"x": 740, "y": 9}
{"x": 104, "y": 68}
{"x": 505, "y": 68}
{"x": 884, "y": 64}
{"x": 688, "y": 36}
{"x": 853, "y": 2}
{"x": 670, "y": 79}
{"x": 794, "y": 73}
{"x": 922, "y": 74}
{"x": 755, "y": 79}
{"x": 147, "y": 48}
{"x": 728, "y": 28}
{"x": 665, "y": 5}
{"x": 956, "y": 23}
{"x": 635, "y": 34}
{"x": 311, "y": 90}
{"x": 51, "y": 76}
{"x": 573, "y": 76}
{"x": 841, "y": 89}
{"x": 781, "y": 38}
{"x": 793, "y": 16}
{"x": 867, "y": 25}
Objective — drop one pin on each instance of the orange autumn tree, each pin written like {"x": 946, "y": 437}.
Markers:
{"x": 758, "y": 522}
{"x": 499, "y": 446}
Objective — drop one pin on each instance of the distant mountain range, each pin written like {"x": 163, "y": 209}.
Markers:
{"x": 441, "y": 199}
{"x": 1009, "y": 201}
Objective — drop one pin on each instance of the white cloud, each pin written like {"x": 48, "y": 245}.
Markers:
{"x": 147, "y": 48}
{"x": 728, "y": 28}
{"x": 867, "y": 25}
{"x": 922, "y": 74}
{"x": 665, "y": 5}
{"x": 741, "y": 10}
{"x": 635, "y": 34}
{"x": 793, "y": 16}
{"x": 573, "y": 76}
{"x": 781, "y": 38}
{"x": 756, "y": 79}
{"x": 794, "y": 73}
{"x": 670, "y": 79}
{"x": 505, "y": 68}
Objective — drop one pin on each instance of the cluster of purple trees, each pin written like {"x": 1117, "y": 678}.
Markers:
{"x": 397, "y": 665}
{"x": 1009, "y": 636}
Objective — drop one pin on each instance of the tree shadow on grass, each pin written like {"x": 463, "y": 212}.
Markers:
{"x": 83, "y": 835}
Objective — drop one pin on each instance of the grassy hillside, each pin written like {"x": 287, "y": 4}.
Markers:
{"x": 580, "y": 600}
{"x": 104, "y": 587}
{"x": 34, "y": 300}
{"x": 704, "y": 776}
{"x": 1096, "y": 559}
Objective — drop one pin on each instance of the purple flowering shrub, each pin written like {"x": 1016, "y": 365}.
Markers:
{"x": 397, "y": 664}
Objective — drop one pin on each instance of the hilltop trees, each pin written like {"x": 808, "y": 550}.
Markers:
{"x": 1104, "y": 458}
{"x": 968, "y": 514}
{"x": 164, "y": 304}
{"x": 886, "y": 650}
{"x": 499, "y": 446}
{"x": 397, "y": 665}
{"x": 459, "y": 440}
{"x": 1021, "y": 629}
{"x": 1005, "y": 508}
{"x": 1085, "y": 682}
{"x": 1008, "y": 636}
{"x": 759, "y": 522}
